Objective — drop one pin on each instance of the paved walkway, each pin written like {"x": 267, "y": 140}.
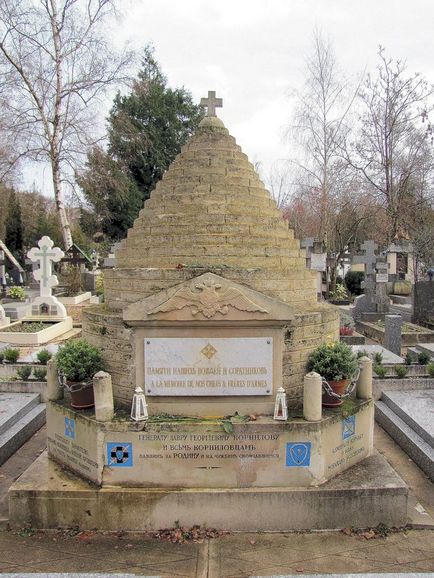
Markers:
{"x": 230, "y": 556}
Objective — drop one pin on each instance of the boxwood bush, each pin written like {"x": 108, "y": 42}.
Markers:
{"x": 79, "y": 360}
{"x": 333, "y": 362}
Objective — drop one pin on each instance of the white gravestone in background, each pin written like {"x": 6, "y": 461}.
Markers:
{"x": 46, "y": 304}
{"x": 3, "y": 319}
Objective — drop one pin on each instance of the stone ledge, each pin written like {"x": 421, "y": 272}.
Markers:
{"x": 46, "y": 496}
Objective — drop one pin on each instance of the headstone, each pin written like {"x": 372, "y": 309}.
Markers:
{"x": 88, "y": 280}
{"x": 371, "y": 350}
{"x": 375, "y": 298}
{"x": 392, "y": 333}
{"x": 400, "y": 259}
{"x": 110, "y": 260}
{"x": 423, "y": 303}
{"x": 46, "y": 305}
{"x": 316, "y": 259}
{"x": 3, "y": 319}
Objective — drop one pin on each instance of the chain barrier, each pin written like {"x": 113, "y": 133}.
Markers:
{"x": 75, "y": 387}
{"x": 348, "y": 390}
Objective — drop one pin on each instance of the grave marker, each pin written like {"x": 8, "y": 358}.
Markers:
{"x": 375, "y": 298}
{"x": 46, "y": 254}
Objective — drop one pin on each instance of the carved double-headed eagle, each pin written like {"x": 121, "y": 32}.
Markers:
{"x": 208, "y": 298}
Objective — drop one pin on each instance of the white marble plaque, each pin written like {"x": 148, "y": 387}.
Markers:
{"x": 209, "y": 366}
{"x": 382, "y": 277}
{"x": 318, "y": 261}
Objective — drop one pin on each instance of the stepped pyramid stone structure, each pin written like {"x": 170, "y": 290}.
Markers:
{"x": 210, "y": 213}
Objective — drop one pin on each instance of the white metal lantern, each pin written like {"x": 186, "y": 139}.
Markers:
{"x": 139, "y": 408}
{"x": 280, "y": 408}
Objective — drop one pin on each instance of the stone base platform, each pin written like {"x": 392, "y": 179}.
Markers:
{"x": 47, "y": 496}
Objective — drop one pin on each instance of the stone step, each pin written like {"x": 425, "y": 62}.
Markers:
{"x": 426, "y": 347}
{"x": 13, "y": 406}
{"x": 416, "y": 447}
{"x": 406, "y": 311}
{"x": 401, "y": 299}
{"x": 415, "y": 408}
{"x": 367, "y": 494}
{"x": 21, "y": 431}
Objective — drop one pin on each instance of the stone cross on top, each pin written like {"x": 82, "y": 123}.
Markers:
{"x": 46, "y": 254}
{"x": 211, "y": 103}
{"x": 369, "y": 258}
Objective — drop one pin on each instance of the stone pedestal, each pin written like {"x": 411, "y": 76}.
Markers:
{"x": 202, "y": 454}
{"x": 368, "y": 494}
{"x": 392, "y": 333}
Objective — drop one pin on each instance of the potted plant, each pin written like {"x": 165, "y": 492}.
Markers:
{"x": 337, "y": 365}
{"x": 77, "y": 362}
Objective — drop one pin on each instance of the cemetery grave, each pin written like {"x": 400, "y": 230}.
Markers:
{"x": 210, "y": 316}
{"x": 47, "y": 319}
{"x": 411, "y": 334}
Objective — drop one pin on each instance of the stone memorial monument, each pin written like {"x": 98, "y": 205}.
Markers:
{"x": 45, "y": 307}
{"x": 211, "y": 311}
{"x": 375, "y": 299}
{"x": 45, "y": 254}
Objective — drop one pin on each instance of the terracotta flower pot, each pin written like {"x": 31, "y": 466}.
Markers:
{"x": 81, "y": 394}
{"x": 337, "y": 387}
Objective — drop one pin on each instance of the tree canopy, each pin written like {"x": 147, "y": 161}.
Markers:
{"x": 56, "y": 61}
{"x": 146, "y": 130}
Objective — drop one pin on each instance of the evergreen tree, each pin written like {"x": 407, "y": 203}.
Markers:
{"x": 14, "y": 227}
{"x": 146, "y": 130}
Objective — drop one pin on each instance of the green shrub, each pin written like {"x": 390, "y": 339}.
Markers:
{"x": 24, "y": 372}
{"x": 380, "y": 370}
{"x": 11, "y": 355}
{"x": 353, "y": 282}
{"x": 401, "y": 371}
{"x": 43, "y": 356}
{"x": 17, "y": 293}
{"x": 423, "y": 358}
{"x": 409, "y": 359}
{"x": 1, "y": 356}
{"x": 339, "y": 294}
{"x": 430, "y": 368}
{"x": 79, "y": 360}
{"x": 378, "y": 358}
{"x": 99, "y": 285}
{"x": 40, "y": 373}
{"x": 333, "y": 362}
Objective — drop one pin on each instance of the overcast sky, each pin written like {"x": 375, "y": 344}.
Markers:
{"x": 251, "y": 52}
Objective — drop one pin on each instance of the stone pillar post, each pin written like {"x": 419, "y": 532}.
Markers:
{"x": 103, "y": 393}
{"x": 392, "y": 333}
{"x": 312, "y": 397}
{"x": 54, "y": 389}
{"x": 364, "y": 383}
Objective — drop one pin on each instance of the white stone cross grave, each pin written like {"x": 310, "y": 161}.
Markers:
{"x": 211, "y": 103}
{"x": 46, "y": 254}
